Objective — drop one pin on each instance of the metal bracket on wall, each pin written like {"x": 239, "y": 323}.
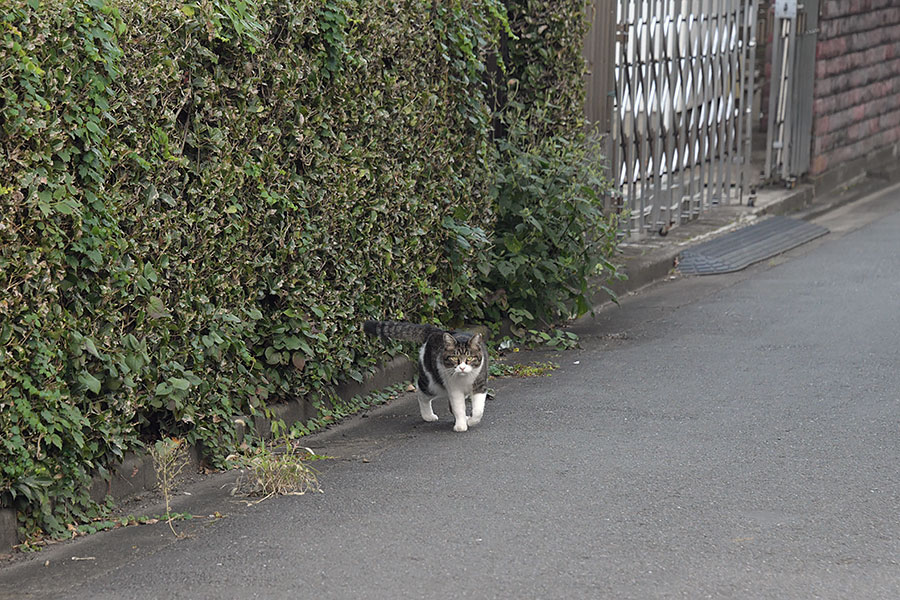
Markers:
{"x": 785, "y": 9}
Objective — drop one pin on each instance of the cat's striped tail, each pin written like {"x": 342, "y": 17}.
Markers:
{"x": 397, "y": 330}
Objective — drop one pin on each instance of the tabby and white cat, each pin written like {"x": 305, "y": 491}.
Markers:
{"x": 451, "y": 364}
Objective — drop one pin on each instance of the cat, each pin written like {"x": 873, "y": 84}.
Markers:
{"x": 451, "y": 364}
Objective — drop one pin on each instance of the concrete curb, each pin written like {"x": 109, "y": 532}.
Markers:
{"x": 8, "y": 530}
{"x": 645, "y": 262}
{"x": 396, "y": 370}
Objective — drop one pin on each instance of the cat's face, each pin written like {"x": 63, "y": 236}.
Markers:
{"x": 461, "y": 359}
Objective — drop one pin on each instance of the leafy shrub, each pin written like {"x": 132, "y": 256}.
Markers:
{"x": 552, "y": 236}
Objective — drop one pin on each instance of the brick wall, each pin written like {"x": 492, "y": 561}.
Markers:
{"x": 856, "y": 110}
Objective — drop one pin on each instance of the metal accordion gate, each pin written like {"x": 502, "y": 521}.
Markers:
{"x": 681, "y": 124}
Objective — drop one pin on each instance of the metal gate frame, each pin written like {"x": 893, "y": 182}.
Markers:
{"x": 789, "y": 133}
{"x": 684, "y": 75}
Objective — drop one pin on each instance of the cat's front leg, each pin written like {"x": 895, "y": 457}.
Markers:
{"x": 458, "y": 407}
{"x": 425, "y": 407}
{"x": 477, "y": 408}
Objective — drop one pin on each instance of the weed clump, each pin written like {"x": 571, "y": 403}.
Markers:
{"x": 277, "y": 468}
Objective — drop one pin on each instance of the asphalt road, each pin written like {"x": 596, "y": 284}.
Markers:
{"x": 732, "y": 436}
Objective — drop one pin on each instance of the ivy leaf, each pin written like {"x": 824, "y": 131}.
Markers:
{"x": 89, "y": 381}
{"x": 90, "y": 347}
{"x": 93, "y": 127}
{"x": 66, "y": 207}
{"x": 505, "y": 269}
{"x": 291, "y": 342}
{"x": 273, "y": 356}
{"x": 44, "y": 198}
{"x": 179, "y": 384}
{"x": 156, "y": 309}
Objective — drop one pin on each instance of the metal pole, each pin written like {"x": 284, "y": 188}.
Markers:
{"x": 774, "y": 85}
{"x": 787, "y": 141}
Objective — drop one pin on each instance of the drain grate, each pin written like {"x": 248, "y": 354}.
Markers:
{"x": 739, "y": 249}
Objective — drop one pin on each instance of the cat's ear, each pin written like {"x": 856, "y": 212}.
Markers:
{"x": 449, "y": 341}
{"x": 475, "y": 342}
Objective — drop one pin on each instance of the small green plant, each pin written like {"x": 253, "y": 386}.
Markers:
{"x": 555, "y": 338}
{"x": 169, "y": 459}
{"x": 327, "y": 416}
{"x": 98, "y": 525}
{"x": 277, "y": 468}
{"x": 105, "y": 524}
{"x": 532, "y": 369}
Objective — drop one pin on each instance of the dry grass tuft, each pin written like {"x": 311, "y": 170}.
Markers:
{"x": 276, "y": 469}
{"x": 170, "y": 456}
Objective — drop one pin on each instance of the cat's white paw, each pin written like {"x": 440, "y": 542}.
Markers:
{"x": 430, "y": 418}
{"x": 460, "y": 426}
{"x": 471, "y": 421}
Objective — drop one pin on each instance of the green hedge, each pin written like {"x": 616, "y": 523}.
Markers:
{"x": 547, "y": 68}
{"x": 200, "y": 202}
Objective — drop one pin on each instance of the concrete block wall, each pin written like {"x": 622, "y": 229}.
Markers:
{"x": 856, "y": 110}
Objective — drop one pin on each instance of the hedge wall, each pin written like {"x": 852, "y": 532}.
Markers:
{"x": 200, "y": 202}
